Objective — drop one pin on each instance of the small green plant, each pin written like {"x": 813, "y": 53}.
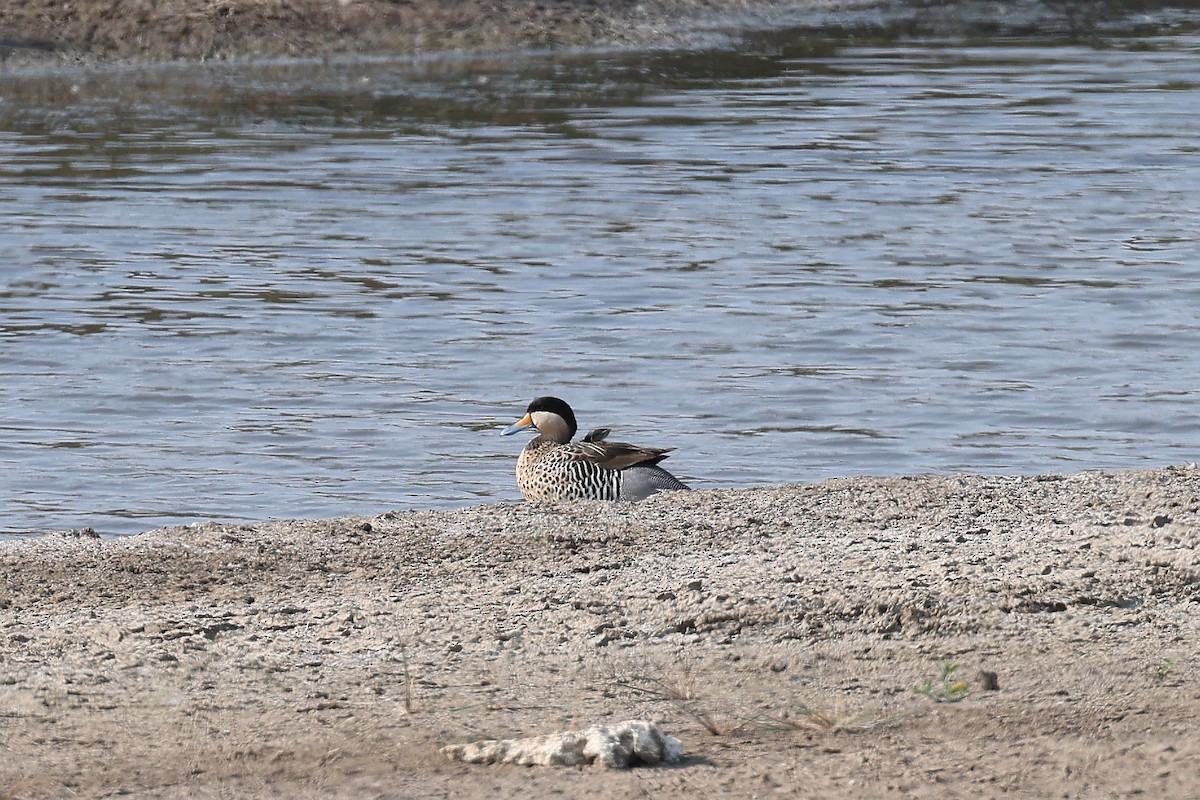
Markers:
{"x": 1166, "y": 668}
{"x": 945, "y": 688}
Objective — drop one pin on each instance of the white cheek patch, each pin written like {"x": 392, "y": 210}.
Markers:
{"x": 549, "y": 423}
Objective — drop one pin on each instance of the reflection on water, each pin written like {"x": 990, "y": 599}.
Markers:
{"x": 298, "y": 290}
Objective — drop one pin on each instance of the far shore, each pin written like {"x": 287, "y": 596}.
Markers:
{"x": 96, "y": 31}
{"x": 89, "y": 32}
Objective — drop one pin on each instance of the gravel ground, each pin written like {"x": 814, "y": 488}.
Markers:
{"x": 782, "y": 634}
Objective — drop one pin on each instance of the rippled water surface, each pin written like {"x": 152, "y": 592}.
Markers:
{"x": 297, "y": 290}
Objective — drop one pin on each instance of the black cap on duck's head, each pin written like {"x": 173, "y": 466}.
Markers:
{"x": 552, "y": 417}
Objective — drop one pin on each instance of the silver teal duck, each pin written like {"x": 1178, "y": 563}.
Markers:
{"x": 552, "y": 467}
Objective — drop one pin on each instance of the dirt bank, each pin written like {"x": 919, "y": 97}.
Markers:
{"x": 125, "y": 30}
{"x": 90, "y": 31}
{"x": 780, "y": 633}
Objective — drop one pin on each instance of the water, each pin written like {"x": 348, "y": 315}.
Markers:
{"x": 302, "y": 290}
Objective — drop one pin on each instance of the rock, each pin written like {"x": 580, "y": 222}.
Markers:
{"x": 618, "y": 746}
{"x": 79, "y": 533}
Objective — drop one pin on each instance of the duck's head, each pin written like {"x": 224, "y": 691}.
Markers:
{"x": 552, "y": 417}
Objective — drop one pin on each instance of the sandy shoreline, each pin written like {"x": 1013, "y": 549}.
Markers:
{"x": 334, "y": 658}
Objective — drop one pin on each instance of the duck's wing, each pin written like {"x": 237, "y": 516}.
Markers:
{"x": 597, "y": 435}
{"x": 615, "y": 455}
